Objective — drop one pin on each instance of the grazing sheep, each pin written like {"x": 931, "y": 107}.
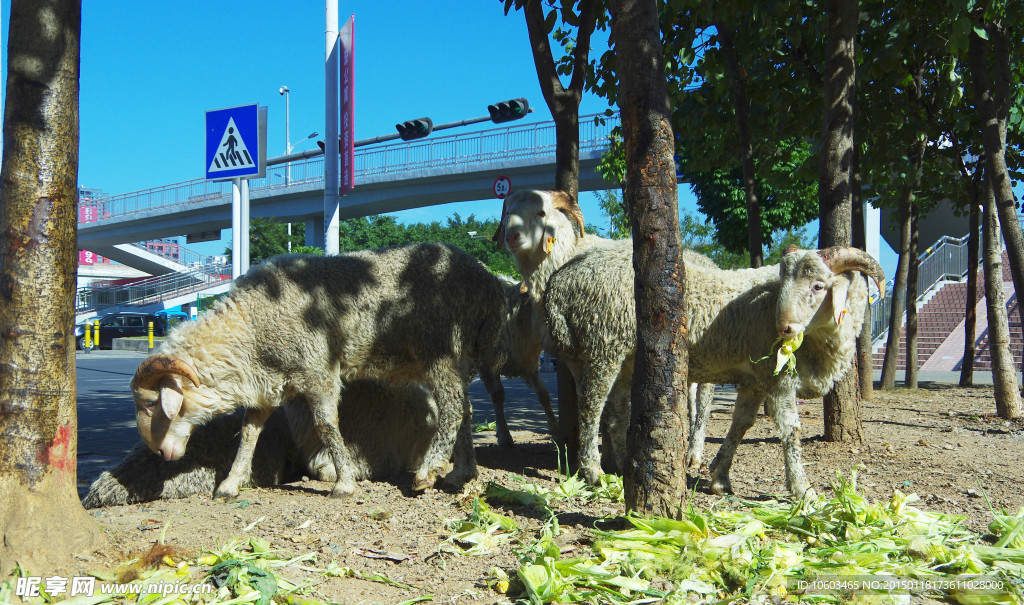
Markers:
{"x": 731, "y": 321}
{"x": 288, "y": 447}
{"x": 522, "y": 337}
{"x": 298, "y": 325}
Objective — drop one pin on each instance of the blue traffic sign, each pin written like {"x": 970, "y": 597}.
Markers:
{"x": 236, "y": 143}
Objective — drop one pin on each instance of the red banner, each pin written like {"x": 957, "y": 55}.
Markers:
{"x": 347, "y": 175}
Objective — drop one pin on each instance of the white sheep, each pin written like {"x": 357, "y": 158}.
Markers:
{"x": 585, "y": 286}
{"x": 296, "y": 326}
{"x": 379, "y": 446}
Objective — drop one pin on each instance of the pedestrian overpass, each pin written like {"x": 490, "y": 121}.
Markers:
{"x": 388, "y": 178}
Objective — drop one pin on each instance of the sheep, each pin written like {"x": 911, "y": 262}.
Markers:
{"x": 538, "y": 229}
{"x": 521, "y": 335}
{"x": 731, "y": 321}
{"x": 298, "y": 325}
{"x": 288, "y": 447}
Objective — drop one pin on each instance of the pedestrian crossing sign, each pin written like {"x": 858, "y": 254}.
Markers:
{"x": 236, "y": 143}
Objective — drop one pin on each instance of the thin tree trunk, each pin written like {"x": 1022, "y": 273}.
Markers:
{"x": 992, "y": 97}
{"x": 910, "y": 377}
{"x": 655, "y": 480}
{"x": 865, "y": 360}
{"x": 842, "y": 413}
{"x": 971, "y": 314}
{"x": 1004, "y": 374}
{"x": 42, "y": 522}
{"x": 739, "y": 90}
{"x": 898, "y": 304}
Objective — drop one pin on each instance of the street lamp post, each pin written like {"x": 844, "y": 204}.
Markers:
{"x": 287, "y": 132}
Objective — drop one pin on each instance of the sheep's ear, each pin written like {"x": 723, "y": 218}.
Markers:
{"x": 839, "y": 291}
{"x": 170, "y": 396}
{"x": 499, "y": 236}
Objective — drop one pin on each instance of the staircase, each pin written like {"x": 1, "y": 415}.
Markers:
{"x": 939, "y": 317}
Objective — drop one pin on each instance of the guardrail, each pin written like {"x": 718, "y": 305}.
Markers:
{"x": 151, "y": 290}
{"x": 183, "y": 256}
{"x": 945, "y": 259}
{"x": 480, "y": 147}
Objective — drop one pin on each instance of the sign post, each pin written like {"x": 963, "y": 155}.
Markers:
{"x": 236, "y": 149}
{"x": 348, "y": 103}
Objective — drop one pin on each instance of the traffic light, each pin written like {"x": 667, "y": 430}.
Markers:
{"x": 506, "y": 111}
{"x": 415, "y": 129}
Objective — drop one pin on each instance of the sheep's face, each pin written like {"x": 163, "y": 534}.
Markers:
{"x": 805, "y": 284}
{"x": 814, "y": 286}
{"x": 532, "y": 220}
{"x": 162, "y": 412}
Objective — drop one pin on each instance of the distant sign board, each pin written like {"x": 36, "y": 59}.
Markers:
{"x": 236, "y": 143}
{"x": 502, "y": 187}
{"x": 347, "y": 175}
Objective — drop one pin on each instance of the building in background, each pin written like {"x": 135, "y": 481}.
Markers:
{"x": 90, "y": 209}
{"x": 167, "y": 247}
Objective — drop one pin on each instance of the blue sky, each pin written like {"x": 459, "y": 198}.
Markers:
{"x": 150, "y": 70}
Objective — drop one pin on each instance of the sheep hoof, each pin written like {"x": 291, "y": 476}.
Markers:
{"x": 505, "y": 440}
{"x": 420, "y": 484}
{"x": 343, "y": 489}
{"x": 806, "y": 494}
{"x": 454, "y": 483}
{"x": 225, "y": 493}
{"x": 326, "y": 473}
{"x": 720, "y": 487}
{"x": 591, "y": 475}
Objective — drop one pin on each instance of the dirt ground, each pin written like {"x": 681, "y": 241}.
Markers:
{"x": 940, "y": 442}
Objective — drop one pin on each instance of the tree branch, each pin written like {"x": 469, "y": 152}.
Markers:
{"x": 581, "y": 54}
{"x": 544, "y": 61}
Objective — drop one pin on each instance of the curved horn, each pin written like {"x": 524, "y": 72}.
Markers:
{"x": 561, "y": 200}
{"x": 790, "y": 249}
{"x": 843, "y": 258}
{"x": 152, "y": 369}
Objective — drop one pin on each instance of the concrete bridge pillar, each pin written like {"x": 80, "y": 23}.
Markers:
{"x": 315, "y": 232}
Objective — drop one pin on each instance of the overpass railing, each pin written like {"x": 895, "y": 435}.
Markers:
{"x": 180, "y": 254}
{"x": 480, "y": 147}
{"x": 945, "y": 259}
{"x": 151, "y": 290}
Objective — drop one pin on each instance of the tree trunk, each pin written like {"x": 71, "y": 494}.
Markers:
{"x": 1004, "y": 374}
{"x": 739, "y": 90}
{"x": 898, "y": 304}
{"x": 655, "y": 480}
{"x": 835, "y": 188}
{"x": 865, "y": 361}
{"x": 971, "y": 314}
{"x": 910, "y": 377}
{"x": 992, "y": 98}
{"x": 42, "y": 521}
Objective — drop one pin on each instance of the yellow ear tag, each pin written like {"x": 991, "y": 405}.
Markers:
{"x": 839, "y": 321}
{"x": 550, "y": 245}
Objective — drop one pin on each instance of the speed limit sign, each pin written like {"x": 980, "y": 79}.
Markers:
{"x": 502, "y": 187}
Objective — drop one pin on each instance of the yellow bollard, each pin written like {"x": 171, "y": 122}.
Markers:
{"x": 96, "y": 333}
{"x": 150, "y": 337}
{"x": 88, "y": 338}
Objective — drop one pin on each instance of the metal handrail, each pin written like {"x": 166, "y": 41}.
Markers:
{"x": 151, "y": 290}
{"x": 945, "y": 259}
{"x": 480, "y": 147}
{"x": 186, "y": 257}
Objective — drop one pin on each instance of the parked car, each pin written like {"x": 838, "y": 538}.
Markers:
{"x": 120, "y": 325}
{"x": 171, "y": 318}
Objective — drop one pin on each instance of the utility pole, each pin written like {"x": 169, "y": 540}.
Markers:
{"x": 331, "y": 110}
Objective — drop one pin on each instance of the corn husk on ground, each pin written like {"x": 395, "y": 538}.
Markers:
{"x": 735, "y": 552}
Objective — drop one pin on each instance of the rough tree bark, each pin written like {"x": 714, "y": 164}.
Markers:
{"x": 564, "y": 104}
{"x": 993, "y": 100}
{"x": 655, "y": 480}
{"x": 42, "y": 521}
{"x": 910, "y": 377}
{"x": 1004, "y": 374}
{"x": 835, "y": 188}
{"x": 898, "y": 303}
{"x": 739, "y": 91}
{"x": 865, "y": 360}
